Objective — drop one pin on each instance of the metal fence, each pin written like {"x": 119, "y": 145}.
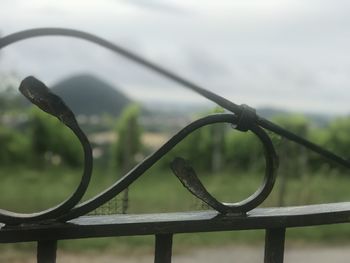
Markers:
{"x": 69, "y": 220}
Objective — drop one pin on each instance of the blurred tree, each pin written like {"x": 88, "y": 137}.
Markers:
{"x": 293, "y": 157}
{"x": 337, "y": 137}
{"x": 52, "y": 141}
{"x": 15, "y": 147}
{"x": 128, "y": 145}
{"x": 197, "y": 148}
{"x": 243, "y": 150}
{"x": 204, "y": 147}
{"x": 217, "y": 143}
{"x": 10, "y": 100}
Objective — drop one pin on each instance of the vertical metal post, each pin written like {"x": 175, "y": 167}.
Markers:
{"x": 46, "y": 251}
{"x": 163, "y": 248}
{"x": 274, "y": 245}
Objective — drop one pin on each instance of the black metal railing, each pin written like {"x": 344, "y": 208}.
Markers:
{"x": 69, "y": 219}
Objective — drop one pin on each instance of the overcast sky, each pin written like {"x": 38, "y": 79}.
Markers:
{"x": 291, "y": 54}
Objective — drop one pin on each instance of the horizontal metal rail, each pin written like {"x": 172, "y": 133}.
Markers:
{"x": 185, "y": 222}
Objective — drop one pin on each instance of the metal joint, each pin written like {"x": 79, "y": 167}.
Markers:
{"x": 246, "y": 118}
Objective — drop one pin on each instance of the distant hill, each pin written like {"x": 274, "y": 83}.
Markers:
{"x": 88, "y": 95}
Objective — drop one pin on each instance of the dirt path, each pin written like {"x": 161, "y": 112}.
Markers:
{"x": 241, "y": 254}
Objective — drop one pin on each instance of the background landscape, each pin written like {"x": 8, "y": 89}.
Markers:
{"x": 287, "y": 59}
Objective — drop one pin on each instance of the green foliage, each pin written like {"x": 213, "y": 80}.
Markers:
{"x": 204, "y": 148}
{"x": 15, "y": 147}
{"x": 334, "y": 137}
{"x": 200, "y": 148}
{"x": 51, "y": 138}
{"x": 243, "y": 150}
{"x": 46, "y": 190}
{"x": 197, "y": 148}
{"x": 10, "y": 100}
{"x": 293, "y": 157}
{"x": 128, "y": 145}
{"x": 337, "y": 137}
{"x": 296, "y": 123}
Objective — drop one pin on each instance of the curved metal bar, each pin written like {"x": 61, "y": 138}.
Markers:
{"x": 189, "y": 179}
{"x": 252, "y": 121}
{"x": 265, "y": 188}
{"x": 226, "y": 104}
{"x": 42, "y": 97}
{"x": 138, "y": 170}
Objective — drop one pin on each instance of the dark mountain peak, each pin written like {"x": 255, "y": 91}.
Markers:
{"x": 89, "y": 95}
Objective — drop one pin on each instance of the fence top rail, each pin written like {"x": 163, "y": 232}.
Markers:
{"x": 184, "y": 222}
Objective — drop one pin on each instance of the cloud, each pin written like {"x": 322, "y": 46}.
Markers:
{"x": 158, "y": 6}
{"x": 289, "y": 53}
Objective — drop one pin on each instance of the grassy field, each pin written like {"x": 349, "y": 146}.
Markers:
{"x": 26, "y": 190}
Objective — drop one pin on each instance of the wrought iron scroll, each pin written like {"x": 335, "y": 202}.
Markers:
{"x": 189, "y": 179}
{"x": 41, "y": 96}
{"x": 243, "y": 117}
